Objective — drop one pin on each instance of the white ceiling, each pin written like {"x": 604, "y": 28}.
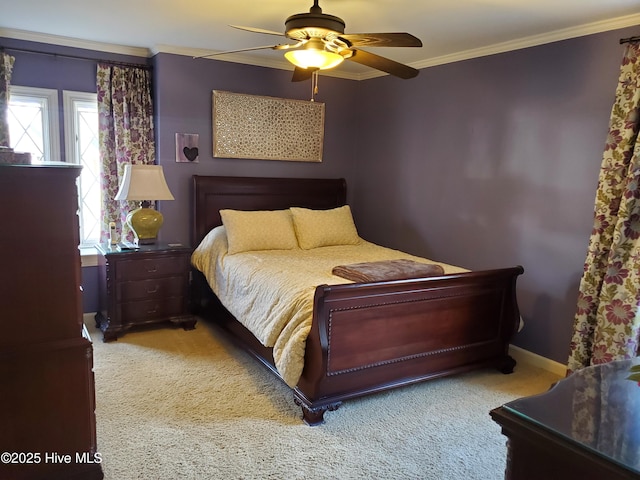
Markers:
{"x": 449, "y": 29}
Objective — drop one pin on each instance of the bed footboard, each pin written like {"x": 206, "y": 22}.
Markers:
{"x": 368, "y": 338}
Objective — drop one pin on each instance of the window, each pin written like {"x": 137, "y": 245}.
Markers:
{"x": 33, "y": 127}
{"x": 81, "y": 141}
{"x": 33, "y": 122}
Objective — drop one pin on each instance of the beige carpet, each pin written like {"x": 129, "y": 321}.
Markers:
{"x": 186, "y": 404}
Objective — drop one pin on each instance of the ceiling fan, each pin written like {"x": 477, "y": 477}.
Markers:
{"x": 322, "y": 44}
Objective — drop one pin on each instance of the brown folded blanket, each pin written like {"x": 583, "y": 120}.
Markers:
{"x": 400, "y": 269}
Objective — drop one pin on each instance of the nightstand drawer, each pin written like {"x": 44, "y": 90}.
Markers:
{"x": 142, "y": 269}
{"x": 140, "y": 312}
{"x": 151, "y": 289}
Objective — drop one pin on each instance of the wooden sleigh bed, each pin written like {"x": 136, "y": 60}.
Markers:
{"x": 366, "y": 338}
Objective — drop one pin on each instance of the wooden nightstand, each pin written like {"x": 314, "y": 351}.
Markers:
{"x": 144, "y": 286}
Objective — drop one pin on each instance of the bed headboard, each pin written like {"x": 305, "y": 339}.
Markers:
{"x": 212, "y": 194}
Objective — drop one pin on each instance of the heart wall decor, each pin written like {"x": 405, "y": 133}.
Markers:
{"x": 190, "y": 153}
{"x": 187, "y": 148}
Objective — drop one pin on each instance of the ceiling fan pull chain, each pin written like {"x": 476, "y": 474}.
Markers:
{"x": 314, "y": 85}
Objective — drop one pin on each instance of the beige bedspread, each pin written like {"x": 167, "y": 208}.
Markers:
{"x": 271, "y": 292}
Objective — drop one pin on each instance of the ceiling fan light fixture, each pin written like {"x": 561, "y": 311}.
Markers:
{"x": 314, "y": 55}
{"x": 320, "y": 44}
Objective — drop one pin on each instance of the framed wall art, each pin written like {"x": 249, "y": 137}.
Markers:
{"x": 266, "y": 128}
{"x": 187, "y": 147}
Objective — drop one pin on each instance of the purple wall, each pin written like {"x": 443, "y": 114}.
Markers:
{"x": 494, "y": 162}
{"x": 484, "y": 163}
{"x": 90, "y": 290}
{"x": 183, "y": 92}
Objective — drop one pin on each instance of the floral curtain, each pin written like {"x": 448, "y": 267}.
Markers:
{"x": 607, "y": 319}
{"x": 126, "y": 135}
{"x": 6, "y": 67}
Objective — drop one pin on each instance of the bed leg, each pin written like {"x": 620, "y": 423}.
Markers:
{"x": 189, "y": 324}
{"x": 506, "y": 365}
{"x": 313, "y": 416}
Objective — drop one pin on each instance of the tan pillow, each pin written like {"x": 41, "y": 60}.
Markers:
{"x": 320, "y": 228}
{"x": 258, "y": 230}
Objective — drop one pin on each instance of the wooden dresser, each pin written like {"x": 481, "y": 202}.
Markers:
{"x": 47, "y": 394}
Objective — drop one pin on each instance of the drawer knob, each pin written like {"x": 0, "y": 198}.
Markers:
{"x": 154, "y": 289}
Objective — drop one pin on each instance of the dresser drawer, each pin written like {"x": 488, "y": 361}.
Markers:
{"x": 144, "y": 268}
{"x": 144, "y": 311}
{"x": 151, "y": 289}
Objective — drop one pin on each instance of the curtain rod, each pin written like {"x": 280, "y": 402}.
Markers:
{"x": 629, "y": 40}
{"x": 79, "y": 57}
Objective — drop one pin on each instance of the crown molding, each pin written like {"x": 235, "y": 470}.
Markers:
{"x": 526, "y": 42}
{"x": 74, "y": 42}
{"x": 533, "y": 41}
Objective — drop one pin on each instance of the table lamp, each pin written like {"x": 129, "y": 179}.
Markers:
{"x": 144, "y": 183}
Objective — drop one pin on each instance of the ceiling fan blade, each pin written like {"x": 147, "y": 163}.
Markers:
{"x": 384, "y": 64}
{"x": 302, "y": 74}
{"x": 265, "y": 47}
{"x": 381, "y": 40}
{"x": 258, "y": 30}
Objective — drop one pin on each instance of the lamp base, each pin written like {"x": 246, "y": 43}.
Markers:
{"x": 145, "y": 224}
{"x": 144, "y": 241}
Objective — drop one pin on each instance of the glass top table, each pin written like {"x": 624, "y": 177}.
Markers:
{"x": 596, "y": 408}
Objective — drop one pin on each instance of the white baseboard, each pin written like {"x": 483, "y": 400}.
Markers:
{"x": 533, "y": 359}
